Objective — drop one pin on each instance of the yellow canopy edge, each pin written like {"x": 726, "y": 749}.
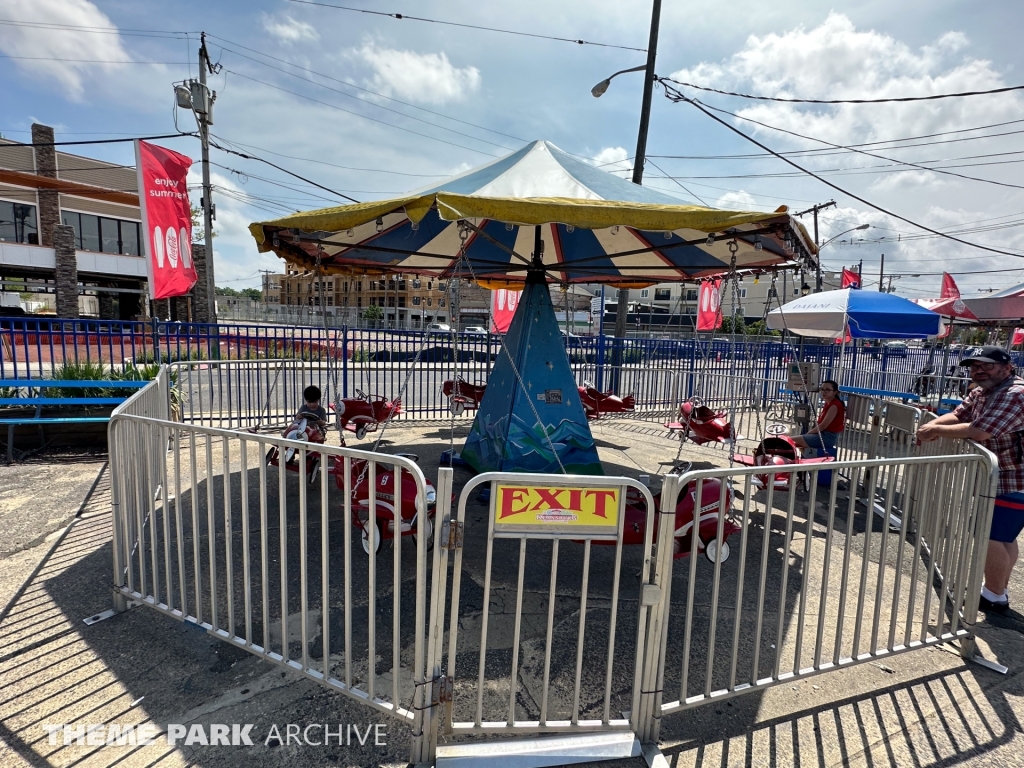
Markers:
{"x": 586, "y": 214}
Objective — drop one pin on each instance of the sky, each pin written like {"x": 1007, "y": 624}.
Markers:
{"x": 370, "y": 106}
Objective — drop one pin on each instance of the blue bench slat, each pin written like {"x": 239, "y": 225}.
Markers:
{"x": 57, "y": 420}
{"x": 34, "y": 401}
{"x": 72, "y": 383}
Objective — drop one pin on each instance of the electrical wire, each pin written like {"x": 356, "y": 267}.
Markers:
{"x": 401, "y": 16}
{"x": 691, "y": 194}
{"x": 701, "y": 107}
{"x": 102, "y": 141}
{"x": 44, "y": 25}
{"x": 678, "y": 94}
{"x": 89, "y": 61}
{"x": 283, "y": 170}
{"x": 824, "y": 151}
{"x": 348, "y": 84}
{"x": 330, "y": 165}
{"x": 357, "y": 114}
{"x": 842, "y": 101}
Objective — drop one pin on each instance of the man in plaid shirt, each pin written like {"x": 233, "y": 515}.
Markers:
{"x": 993, "y": 414}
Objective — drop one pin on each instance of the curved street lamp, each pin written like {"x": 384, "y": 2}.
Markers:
{"x": 598, "y": 90}
{"x": 828, "y": 242}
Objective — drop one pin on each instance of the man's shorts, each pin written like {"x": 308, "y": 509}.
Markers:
{"x": 823, "y": 441}
{"x": 1008, "y": 517}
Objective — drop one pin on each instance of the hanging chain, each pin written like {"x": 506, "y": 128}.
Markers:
{"x": 454, "y": 311}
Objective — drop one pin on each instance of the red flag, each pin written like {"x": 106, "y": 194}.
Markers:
{"x": 949, "y": 289}
{"x": 503, "y": 308}
{"x": 1018, "y": 337}
{"x": 709, "y": 305}
{"x": 166, "y": 220}
{"x": 850, "y": 279}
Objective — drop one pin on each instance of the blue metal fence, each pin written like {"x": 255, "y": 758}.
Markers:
{"x": 658, "y": 372}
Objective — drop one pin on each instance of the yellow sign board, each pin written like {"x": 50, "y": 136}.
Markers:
{"x": 537, "y": 507}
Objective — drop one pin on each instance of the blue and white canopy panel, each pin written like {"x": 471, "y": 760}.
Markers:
{"x": 866, "y": 314}
{"x": 594, "y": 225}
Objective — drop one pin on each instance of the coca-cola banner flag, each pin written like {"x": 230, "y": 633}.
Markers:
{"x": 851, "y": 279}
{"x": 1018, "y": 337}
{"x": 949, "y": 289}
{"x": 503, "y": 307}
{"x": 709, "y": 305}
{"x": 166, "y": 219}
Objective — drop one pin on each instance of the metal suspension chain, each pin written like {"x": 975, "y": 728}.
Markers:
{"x": 454, "y": 310}
{"x": 733, "y": 248}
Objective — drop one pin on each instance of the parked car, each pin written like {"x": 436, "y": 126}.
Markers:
{"x": 896, "y": 349}
{"x": 439, "y": 328}
{"x": 475, "y": 330}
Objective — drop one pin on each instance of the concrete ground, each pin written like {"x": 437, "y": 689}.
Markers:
{"x": 923, "y": 708}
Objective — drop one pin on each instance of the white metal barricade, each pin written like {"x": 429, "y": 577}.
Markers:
{"x": 521, "y": 685}
{"x": 798, "y": 597}
{"x": 213, "y": 527}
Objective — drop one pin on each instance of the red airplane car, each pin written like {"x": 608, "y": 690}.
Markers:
{"x": 596, "y": 402}
{"x": 384, "y": 513}
{"x": 707, "y": 521}
{"x": 463, "y": 396}
{"x": 362, "y": 413}
{"x": 304, "y": 431}
{"x": 779, "y": 450}
{"x": 699, "y": 423}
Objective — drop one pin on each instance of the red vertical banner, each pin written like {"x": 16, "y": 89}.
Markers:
{"x": 851, "y": 279}
{"x": 503, "y": 308}
{"x": 166, "y": 219}
{"x": 1018, "y": 337}
{"x": 709, "y": 305}
{"x": 949, "y": 289}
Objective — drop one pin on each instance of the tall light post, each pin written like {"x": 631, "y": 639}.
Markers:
{"x": 638, "y": 162}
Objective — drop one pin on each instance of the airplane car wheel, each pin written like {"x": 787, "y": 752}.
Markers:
{"x": 712, "y": 553}
{"x": 371, "y": 529}
{"x": 315, "y": 473}
{"x": 457, "y": 408}
{"x": 429, "y": 525}
{"x": 360, "y": 432}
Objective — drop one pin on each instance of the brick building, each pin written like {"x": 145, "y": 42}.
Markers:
{"x": 70, "y": 229}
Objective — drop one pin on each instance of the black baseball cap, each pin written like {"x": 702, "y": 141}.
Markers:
{"x": 987, "y": 355}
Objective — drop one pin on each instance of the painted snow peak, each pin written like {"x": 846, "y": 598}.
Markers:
{"x": 515, "y": 444}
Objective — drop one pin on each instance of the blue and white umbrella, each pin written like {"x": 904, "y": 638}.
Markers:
{"x": 594, "y": 227}
{"x": 867, "y": 315}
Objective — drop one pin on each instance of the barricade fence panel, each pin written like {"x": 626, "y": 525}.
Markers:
{"x": 542, "y": 629}
{"x": 273, "y": 545}
{"x": 824, "y": 579}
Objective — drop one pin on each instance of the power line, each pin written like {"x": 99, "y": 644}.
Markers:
{"x": 283, "y": 170}
{"x": 52, "y": 26}
{"x": 357, "y": 114}
{"x": 100, "y": 141}
{"x": 852, "y": 149}
{"x": 839, "y": 189}
{"x": 350, "y": 85}
{"x": 825, "y": 152}
{"x": 90, "y": 61}
{"x": 842, "y": 101}
{"x": 330, "y": 165}
{"x": 691, "y": 194}
{"x": 401, "y": 16}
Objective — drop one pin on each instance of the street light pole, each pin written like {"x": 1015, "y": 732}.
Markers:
{"x": 621, "y": 305}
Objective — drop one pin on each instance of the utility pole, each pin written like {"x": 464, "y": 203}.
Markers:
{"x": 814, "y": 209}
{"x": 860, "y": 273}
{"x": 622, "y": 303}
{"x": 204, "y": 136}
{"x": 881, "y": 275}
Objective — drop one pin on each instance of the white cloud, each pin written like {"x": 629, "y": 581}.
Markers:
{"x": 289, "y": 30}
{"x": 738, "y": 201}
{"x": 613, "y": 160}
{"x": 47, "y": 45}
{"x": 427, "y": 78}
{"x": 835, "y": 60}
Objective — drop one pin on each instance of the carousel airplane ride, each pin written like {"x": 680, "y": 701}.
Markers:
{"x": 537, "y": 216}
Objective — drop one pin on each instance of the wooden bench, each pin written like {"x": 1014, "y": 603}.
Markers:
{"x": 39, "y": 400}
